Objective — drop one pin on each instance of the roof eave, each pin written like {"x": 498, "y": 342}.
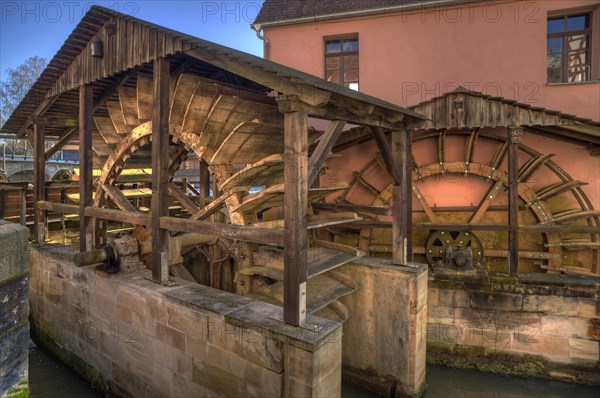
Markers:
{"x": 359, "y": 13}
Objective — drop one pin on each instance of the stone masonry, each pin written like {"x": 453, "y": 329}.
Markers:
{"x": 132, "y": 337}
{"x": 554, "y": 317}
{"x": 14, "y": 309}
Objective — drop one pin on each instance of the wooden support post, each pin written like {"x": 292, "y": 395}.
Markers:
{"x": 515, "y": 136}
{"x": 23, "y": 197}
{"x": 295, "y": 269}
{"x": 39, "y": 181}
{"x": 401, "y": 162}
{"x": 2, "y": 192}
{"x": 204, "y": 183}
{"x": 160, "y": 170}
{"x": 86, "y": 98}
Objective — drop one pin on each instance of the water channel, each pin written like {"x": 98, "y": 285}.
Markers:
{"x": 48, "y": 378}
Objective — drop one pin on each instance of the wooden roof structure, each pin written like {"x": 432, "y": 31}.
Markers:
{"x": 127, "y": 87}
{"x": 466, "y": 109}
{"x": 130, "y": 43}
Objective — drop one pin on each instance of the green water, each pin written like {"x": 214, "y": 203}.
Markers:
{"x": 49, "y": 378}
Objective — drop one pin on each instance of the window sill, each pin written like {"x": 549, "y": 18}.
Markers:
{"x": 574, "y": 83}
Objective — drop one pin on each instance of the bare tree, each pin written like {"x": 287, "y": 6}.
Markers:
{"x": 12, "y": 91}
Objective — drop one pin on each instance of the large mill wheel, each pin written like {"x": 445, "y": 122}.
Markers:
{"x": 457, "y": 181}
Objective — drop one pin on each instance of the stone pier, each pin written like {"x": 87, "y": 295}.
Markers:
{"x": 14, "y": 310}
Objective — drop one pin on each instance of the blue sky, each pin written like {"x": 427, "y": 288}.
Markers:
{"x": 29, "y": 28}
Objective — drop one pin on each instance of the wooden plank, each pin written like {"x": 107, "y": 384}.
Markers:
{"x": 316, "y": 220}
{"x": 326, "y": 143}
{"x": 248, "y": 143}
{"x": 267, "y": 236}
{"x": 182, "y": 198}
{"x": 160, "y": 170}
{"x": 112, "y": 89}
{"x": 295, "y": 268}
{"x": 107, "y": 129}
{"x": 86, "y": 95}
{"x": 39, "y": 181}
{"x": 268, "y": 171}
{"x": 275, "y": 197}
{"x": 514, "y": 139}
{"x": 144, "y": 96}
{"x": 402, "y": 197}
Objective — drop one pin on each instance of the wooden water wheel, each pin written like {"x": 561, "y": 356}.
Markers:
{"x": 459, "y": 162}
{"x": 243, "y": 148}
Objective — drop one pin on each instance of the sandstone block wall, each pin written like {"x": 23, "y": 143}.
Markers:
{"x": 133, "y": 337}
{"x": 14, "y": 308}
{"x": 555, "y": 317}
{"x": 384, "y": 342}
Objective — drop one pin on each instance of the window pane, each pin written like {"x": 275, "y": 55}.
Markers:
{"x": 578, "y": 22}
{"x": 351, "y": 75}
{"x": 555, "y": 45}
{"x": 333, "y": 76}
{"x": 351, "y": 61}
{"x": 578, "y": 59}
{"x": 579, "y": 74}
{"x": 353, "y": 86}
{"x": 554, "y": 65}
{"x": 578, "y": 42}
{"x": 332, "y": 62}
{"x": 350, "y": 46}
{"x": 333, "y": 47}
{"x": 556, "y": 25}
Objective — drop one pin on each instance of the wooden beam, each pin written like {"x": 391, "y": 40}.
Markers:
{"x": 305, "y": 93}
{"x": 333, "y": 112}
{"x": 267, "y": 236}
{"x": 63, "y": 121}
{"x": 112, "y": 89}
{"x": 23, "y": 200}
{"x": 212, "y": 207}
{"x": 160, "y": 170}
{"x": 86, "y": 95}
{"x": 515, "y": 136}
{"x": 326, "y": 143}
{"x": 135, "y": 218}
{"x": 69, "y": 133}
{"x": 58, "y": 207}
{"x": 39, "y": 181}
{"x": 343, "y": 207}
{"x": 204, "y": 183}
{"x": 182, "y": 198}
{"x": 401, "y": 158}
{"x": 295, "y": 269}
{"x": 486, "y": 201}
{"x": 40, "y": 110}
{"x": 386, "y": 153}
{"x": 118, "y": 197}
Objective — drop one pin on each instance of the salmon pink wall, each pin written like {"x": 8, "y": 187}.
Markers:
{"x": 495, "y": 47}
